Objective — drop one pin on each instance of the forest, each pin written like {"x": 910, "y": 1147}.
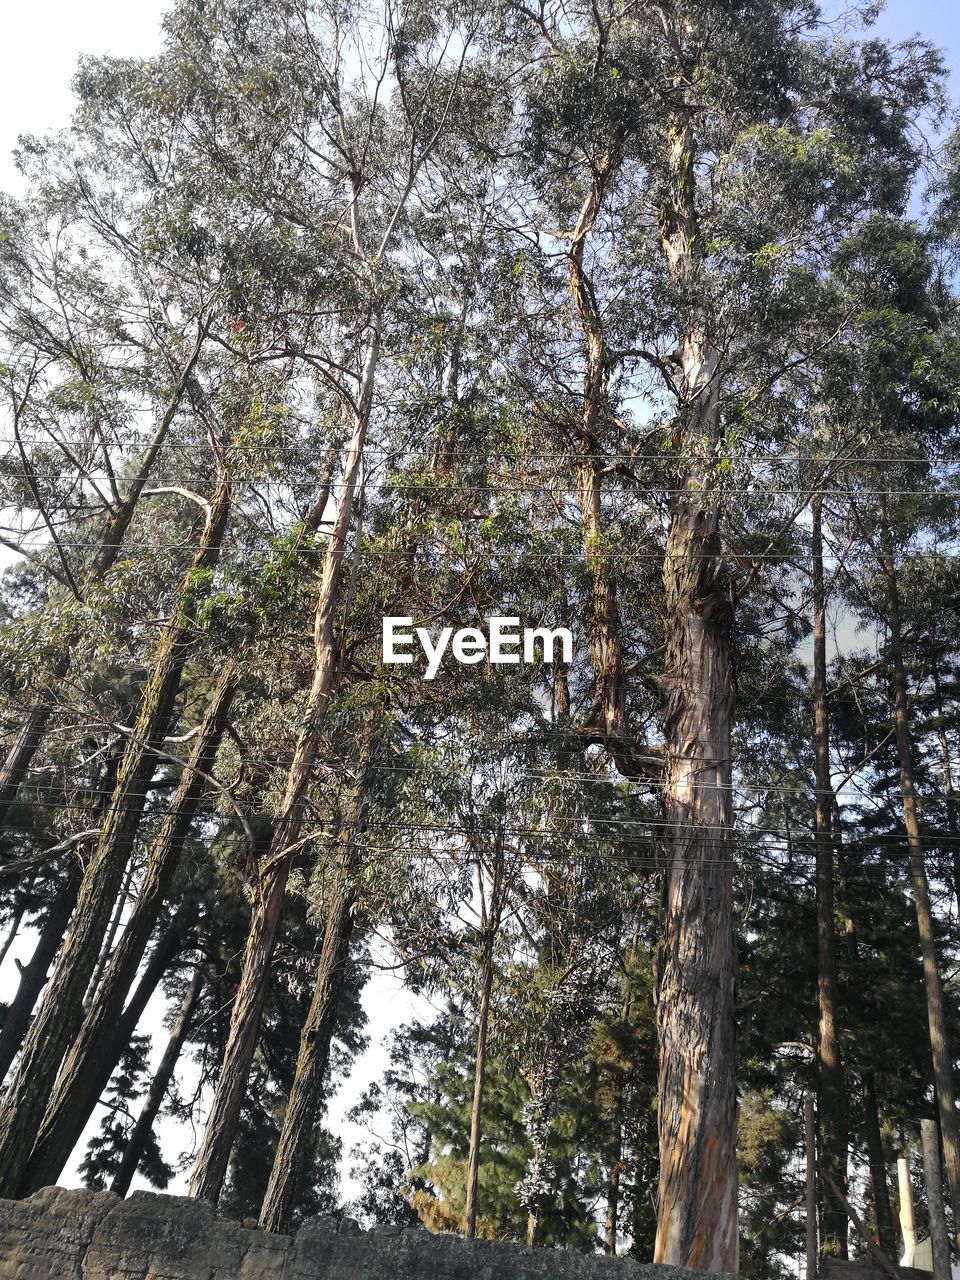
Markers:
{"x": 634, "y": 318}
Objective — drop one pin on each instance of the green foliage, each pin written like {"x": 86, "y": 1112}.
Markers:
{"x": 503, "y": 202}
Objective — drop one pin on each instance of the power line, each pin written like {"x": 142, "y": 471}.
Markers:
{"x": 457, "y": 453}
{"x": 536, "y": 483}
{"x": 520, "y": 775}
{"x": 799, "y": 557}
{"x": 787, "y": 840}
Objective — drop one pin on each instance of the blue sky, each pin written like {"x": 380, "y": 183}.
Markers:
{"x": 43, "y": 39}
{"x": 938, "y": 20}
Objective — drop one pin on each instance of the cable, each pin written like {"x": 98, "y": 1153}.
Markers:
{"x": 571, "y": 455}
{"x": 726, "y": 555}
{"x": 787, "y": 840}
{"x": 537, "y": 483}
{"x": 458, "y": 452}
{"x": 655, "y": 784}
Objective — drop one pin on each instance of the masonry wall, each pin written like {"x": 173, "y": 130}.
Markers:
{"x": 87, "y": 1235}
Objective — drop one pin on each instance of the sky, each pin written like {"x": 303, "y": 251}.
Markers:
{"x": 42, "y": 41}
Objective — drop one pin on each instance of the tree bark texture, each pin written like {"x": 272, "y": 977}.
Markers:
{"x": 106, "y": 950}
{"x": 831, "y": 1112}
{"x": 696, "y": 963}
{"x": 936, "y": 1013}
{"x": 34, "y": 974}
{"x": 61, "y": 1013}
{"x": 298, "y": 1132}
{"x": 212, "y": 1159}
{"x": 50, "y": 1155}
{"x": 64, "y": 1119}
{"x": 297, "y": 1135}
{"x": 939, "y": 1239}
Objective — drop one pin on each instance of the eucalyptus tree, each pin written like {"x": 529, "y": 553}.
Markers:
{"x": 102, "y": 329}
{"x": 933, "y": 979}
{"x": 109, "y": 317}
{"x": 224, "y": 400}
{"x": 450, "y": 311}
{"x": 343, "y": 902}
{"x": 518, "y": 1100}
{"x": 278, "y": 79}
{"x": 738, "y": 111}
{"x": 80, "y": 1078}
{"x": 61, "y": 1012}
{"x": 903, "y": 398}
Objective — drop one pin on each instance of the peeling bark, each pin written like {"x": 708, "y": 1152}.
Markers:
{"x": 696, "y": 963}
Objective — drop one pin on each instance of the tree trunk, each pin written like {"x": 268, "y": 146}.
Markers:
{"x": 296, "y": 1139}
{"x": 878, "y": 1169}
{"x": 61, "y": 1013}
{"x": 306, "y": 1093}
{"x": 615, "y": 1091}
{"x": 607, "y": 716}
{"x": 871, "y": 1112}
{"x": 696, "y": 964}
{"x": 136, "y": 1143}
{"x": 34, "y": 726}
{"x": 48, "y": 1161}
{"x": 34, "y": 975}
{"x": 214, "y": 1154}
{"x": 29, "y": 737}
{"x": 831, "y": 1106}
{"x": 611, "y": 1224}
{"x": 11, "y": 937}
{"x": 950, "y": 795}
{"x": 697, "y": 1218}
{"x": 479, "y": 1080}
{"x": 106, "y": 950}
{"x": 64, "y": 1118}
{"x": 936, "y": 1014}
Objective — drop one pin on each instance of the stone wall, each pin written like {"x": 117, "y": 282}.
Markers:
{"x": 87, "y": 1235}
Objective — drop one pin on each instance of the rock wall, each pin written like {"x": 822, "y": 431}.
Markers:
{"x": 88, "y": 1235}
